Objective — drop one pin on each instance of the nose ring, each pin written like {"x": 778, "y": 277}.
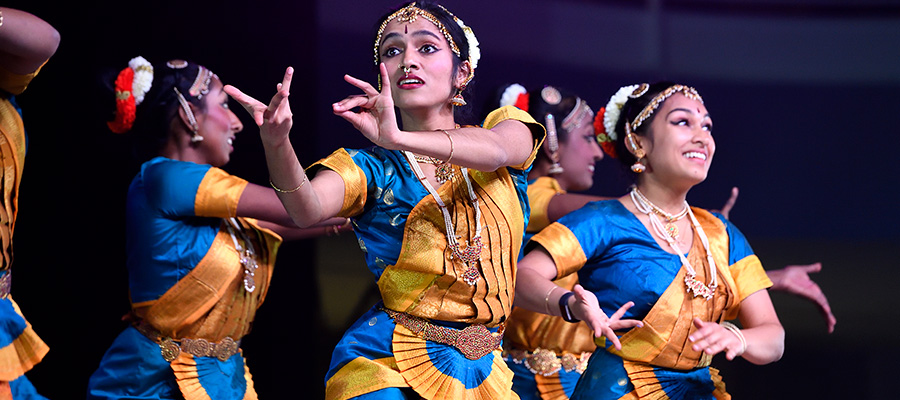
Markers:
{"x": 405, "y": 69}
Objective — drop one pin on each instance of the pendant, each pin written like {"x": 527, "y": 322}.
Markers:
{"x": 443, "y": 171}
{"x": 672, "y": 229}
{"x": 698, "y": 288}
{"x": 469, "y": 257}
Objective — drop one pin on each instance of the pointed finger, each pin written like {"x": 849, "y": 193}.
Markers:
{"x": 621, "y": 311}
{"x": 363, "y": 85}
{"x": 385, "y": 79}
{"x": 286, "y": 81}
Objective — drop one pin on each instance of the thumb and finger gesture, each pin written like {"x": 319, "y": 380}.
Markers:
{"x": 588, "y": 309}
{"x": 711, "y": 338}
{"x": 375, "y": 119}
{"x": 275, "y": 117}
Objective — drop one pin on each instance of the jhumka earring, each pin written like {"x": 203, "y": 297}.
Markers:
{"x": 553, "y": 144}
{"x": 458, "y": 100}
{"x": 638, "y": 165}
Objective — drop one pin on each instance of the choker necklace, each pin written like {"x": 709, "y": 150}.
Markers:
{"x": 671, "y": 219}
{"x": 472, "y": 253}
{"x": 690, "y": 278}
{"x": 248, "y": 256}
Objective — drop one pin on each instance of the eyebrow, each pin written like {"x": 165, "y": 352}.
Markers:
{"x": 685, "y": 110}
{"x": 416, "y": 33}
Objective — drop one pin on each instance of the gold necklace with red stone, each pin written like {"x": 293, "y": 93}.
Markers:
{"x": 690, "y": 277}
{"x": 471, "y": 255}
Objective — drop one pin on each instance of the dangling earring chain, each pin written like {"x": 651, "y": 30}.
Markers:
{"x": 247, "y": 255}
{"x": 690, "y": 278}
{"x": 472, "y": 254}
{"x": 195, "y": 137}
{"x": 671, "y": 228}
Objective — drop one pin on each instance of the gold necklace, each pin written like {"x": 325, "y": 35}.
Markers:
{"x": 671, "y": 219}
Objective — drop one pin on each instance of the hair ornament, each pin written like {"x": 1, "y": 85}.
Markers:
{"x": 143, "y": 78}
{"x": 641, "y": 89}
{"x": 131, "y": 84}
{"x": 552, "y": 144}
{"x": 551, "y": 95}
{"x": 176, "y": 64}
{"x": 607, "y": 144}
{"x": 200, "y": 87}
{"x": 614, "y": 110}
{"x": 195, "y": 128}
{"x": 687, "y": 91}
{"x": 408, "y": 15}
{"x": 515, "y": 95}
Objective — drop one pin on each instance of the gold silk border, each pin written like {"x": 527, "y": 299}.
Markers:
{"x": 662, "y": 341}
{"x": 550, "y": 387}
{"x": 647, "y": 387}
{"x": 540, "y": 193}
{"x": 510, "y": 112}
{"x": 415, "y": 365}
{"x": 427, "y": 283}
{"x": 216, "y": 185}
{"x": 355, "y": 182}
{"x": 187, "y": 377}
{"x": 362, "y": 376}
{"x": 563, "y": 246}
{"x": 12, "y": 146}
{"x": 26, "y": 351}
{"x": 198, "y": 305}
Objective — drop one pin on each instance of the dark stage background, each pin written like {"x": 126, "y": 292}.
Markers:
{"x": 803, "y": 94}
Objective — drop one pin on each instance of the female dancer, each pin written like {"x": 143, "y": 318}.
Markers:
{"x": 439, "y": 211}
{"x": 689, "y": 271}
{"x": 26, "y": 43}
{"x": 201, "y": 243}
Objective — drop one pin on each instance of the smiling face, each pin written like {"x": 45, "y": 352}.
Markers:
{"x": 218, "y": 126}
{"x": 577, "y": 156}
{"x": 680, "y": 146}
{"x": 420, "y": 48}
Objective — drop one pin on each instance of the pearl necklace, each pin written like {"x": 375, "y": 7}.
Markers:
{"x": 690, "y": 278}
{"x": 248, "y": 256}
{"x": 472, "y": 253}
{"x": 671, "y": 219}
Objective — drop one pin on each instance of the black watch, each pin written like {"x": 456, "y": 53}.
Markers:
{"x": 564, "y": 309}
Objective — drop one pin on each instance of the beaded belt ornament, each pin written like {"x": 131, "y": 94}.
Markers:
{"x": 546, "y": 362}
{"x": 170, "y": 348}
{"x": 5, "y": 284}
{"x": 474, "y": 341}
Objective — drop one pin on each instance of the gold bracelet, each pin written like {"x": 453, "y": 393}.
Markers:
{"x": 547, "y": 299}
{"x": 737, "y": 332}
{"x": 451, "y": 145}
{"x": 278, "y": 189}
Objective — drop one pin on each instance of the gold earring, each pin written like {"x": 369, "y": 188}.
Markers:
{"x": 458, "y": 100}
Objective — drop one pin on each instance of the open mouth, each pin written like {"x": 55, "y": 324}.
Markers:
{"x": 230, "y": 141}
{"x": 695, "y": 155}
{"x": 410, "y": 81}
{"x": 591, "y": 168}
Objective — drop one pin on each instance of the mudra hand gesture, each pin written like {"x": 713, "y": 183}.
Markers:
{"x": 587, "y": 309}
{"x": 274, "y": 120}
{"x": 376, "y": 118}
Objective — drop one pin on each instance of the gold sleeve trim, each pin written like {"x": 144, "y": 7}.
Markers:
{"x": 355, "y": 181}
{"x": 215, "y": 187}
{"x": 563, "y": 246}
{"x": 509, "y": 112}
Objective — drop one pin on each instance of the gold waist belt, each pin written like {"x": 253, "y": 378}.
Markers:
{"x": 474, "y": 341}
{"x": 170, "y": 348}
{"x": 546, "y": 362}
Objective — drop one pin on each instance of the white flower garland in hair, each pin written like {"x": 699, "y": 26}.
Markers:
{"x": 474, "y": 51}
{"x": 614, "y": 109}
{"x": 143, "y": 78}
{"x": 511, "y": 94}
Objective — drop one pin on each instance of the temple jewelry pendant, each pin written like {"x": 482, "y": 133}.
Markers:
{"x": 443, "y": 171}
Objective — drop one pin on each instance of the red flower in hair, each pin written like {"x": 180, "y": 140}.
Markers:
{"x": 125, "y": 107}
{"x": 522, "y": 102}
{"x": 608, "y": 146}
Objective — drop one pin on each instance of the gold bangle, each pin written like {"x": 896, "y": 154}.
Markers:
{"x": 451, "y": 145}
{"x": 737, "y": 332}
{"x": 280, "y": 190}
{"x": 547, "y": 299}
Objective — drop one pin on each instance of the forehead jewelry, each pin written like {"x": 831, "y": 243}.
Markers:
{"x": 687, "y": 91}
{"x": 576, "y": 118}
{"x": 408, "y": 15}
{"x": 200, "y": 87}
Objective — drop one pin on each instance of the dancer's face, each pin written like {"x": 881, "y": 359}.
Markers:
{"x": 422, "y": 49}
{"x": 218, "y": 126}
{"x": 680, "y": 147}
{"x": 577, "y": 156}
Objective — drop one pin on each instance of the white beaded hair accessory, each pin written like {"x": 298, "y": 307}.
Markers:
{"x": 143, "y": 78}
{"x": 511, "y": 94}
{"x": 614, "y": 110}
